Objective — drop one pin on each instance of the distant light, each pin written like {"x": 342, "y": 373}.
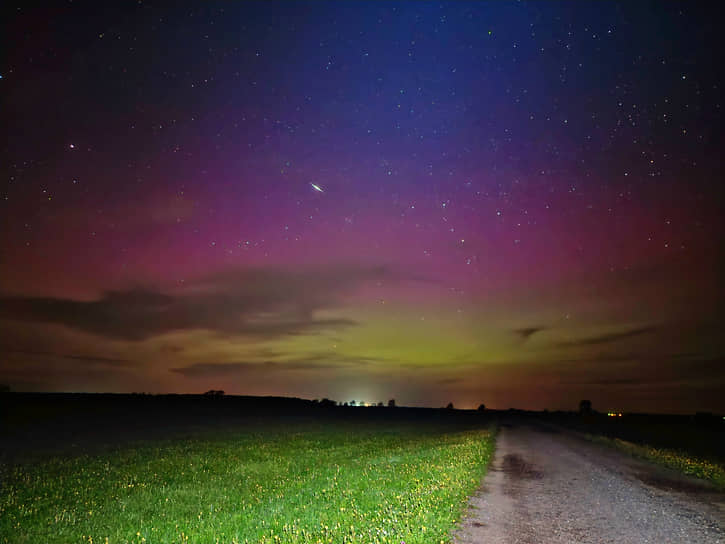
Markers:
{"x": 72, "y": 146}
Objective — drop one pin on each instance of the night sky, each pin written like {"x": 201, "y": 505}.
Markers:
{"x": 516, "y": 204}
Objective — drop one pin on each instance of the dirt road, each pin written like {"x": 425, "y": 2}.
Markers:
{"x": 547, "y": 486}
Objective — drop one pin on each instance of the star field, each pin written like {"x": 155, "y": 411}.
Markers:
{"x": 512, "y": 203}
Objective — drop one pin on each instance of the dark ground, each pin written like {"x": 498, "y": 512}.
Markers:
{"x": 546, "y": 483}
{"x": 61, "y": 422}
{"x": 42, "y": 424}
{"x": 701, "y": 435}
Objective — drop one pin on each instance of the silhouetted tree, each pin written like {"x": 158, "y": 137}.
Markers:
{"x": 380, "y": 404}
{"x": 450, "y": 406}
{"x": 585, "y": 407}
{"x": 391, "y": 403}
{"x": 481, "y": 407}
{"x": 327, "y": 403}
{"x": 4, "y": 388}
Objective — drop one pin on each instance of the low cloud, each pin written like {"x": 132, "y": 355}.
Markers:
{"x": 607, "y": 338}
{"x": 686, "y": 369}
{"x": 263, "y": 303}
{"x": 611, "y": 381}
{"x": 313, "y": 362}
{"x": 91, "y": 359}
{"x": 527, "y": 332}
{"x": 198, "y": 370}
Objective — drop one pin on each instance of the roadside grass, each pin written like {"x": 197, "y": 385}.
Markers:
{"x": 341, "y": 483}
{"x": 677, "y": 460}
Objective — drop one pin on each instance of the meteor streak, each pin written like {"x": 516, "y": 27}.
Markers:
{"x": 317, "y": 188}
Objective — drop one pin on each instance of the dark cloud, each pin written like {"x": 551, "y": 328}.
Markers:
{"x": 257, "y": 302}
{"x": 171, "y": 348}
{"x": 611, "y": 381}
{"x": 642, "y": 381}
{"x": 712, "y": 367}
{"x": 317, "y": 361}
{"x": 96, "y": 359}
{"x": 600, "y": 358}
{"x": 527, "y": 332}
{"x": 330, "y": 359}
{"x": 611, "y": 337}
{"x": 197, "y": 370}
{"x": 83, "y": 358}
{"x": 683, "y": 369}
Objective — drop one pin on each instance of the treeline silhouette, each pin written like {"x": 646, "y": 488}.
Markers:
{"x": 58, "y": 421}
{"x": 38, "y": 421}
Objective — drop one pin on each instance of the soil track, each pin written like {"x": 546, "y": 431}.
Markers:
{"x": 550, "y": 486}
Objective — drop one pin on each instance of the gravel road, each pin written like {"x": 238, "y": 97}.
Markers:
{"x": 548, "y": 486}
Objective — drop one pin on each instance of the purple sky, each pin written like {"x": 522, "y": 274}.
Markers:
{"x": 510, "y": 203}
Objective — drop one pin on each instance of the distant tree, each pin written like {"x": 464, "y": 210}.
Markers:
{"x": 391, "y": 403}
{"x": 4, "y": 388}
{"x": 380, "y": 404}
{"x": 481, "y": 407}
{"x": 585, "y": 407}
{"x": 450, "y": 406}
{"x": 345, "y": 404}
{"x": 214, "y": 393}
{"x": 352, "y": 403}
{"x": 327, "y": 403}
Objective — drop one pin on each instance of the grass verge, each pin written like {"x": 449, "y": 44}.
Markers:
{"x": 342, "y": 483}
{"x": 677, "y": 460}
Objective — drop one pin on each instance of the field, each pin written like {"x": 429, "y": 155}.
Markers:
{"x": 679, "y": 460}
{"x": 319, "y": 482}
{"x": 693, "y": 445}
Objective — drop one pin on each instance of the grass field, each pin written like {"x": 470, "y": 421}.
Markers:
{"x": 343, "y": 482}
{"x": 674, "y": 459}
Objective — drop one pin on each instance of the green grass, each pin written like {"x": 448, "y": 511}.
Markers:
{"x": 677, "y": 460}
{"x": 342, "y": 483}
